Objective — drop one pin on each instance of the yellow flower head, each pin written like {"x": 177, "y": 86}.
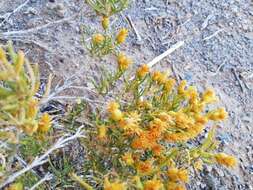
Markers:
{"x": 102, "y": 132}
{"x": 130, "y": 124}
{"x": 112, "y": 106}
{"x": 98, "y": 38}
{"x": 157, "y": 149}
{"x": 175, "y": 186}
{"x": 176, "y": 175}
{"x": 181, "y": 87}
{"x": 198, "y": 165}
{"x": 113, "y": 186}
{"x": 218, "y": 115}
{"x": 124, "y": 61}
{"x": 145, "y": 167}
{"x": 165, "y": 117}
{"x": 121, "y": 37}
{"x": 200, "y": 119}
{"x": 44, "y": 123}
{"x": 116, "y": 115}
{"x": 153, "y": 184}
{"x": 209, "y": 96}
{"x": 142, "y": 71}
{"x": 128, "y": 159}
{"x": 159, "y": 77}
{"x": 192, "y": 93}
{"x": 169, "y": 84}
{"x": 105, "y": 22}
{"x": 226, "y": 160}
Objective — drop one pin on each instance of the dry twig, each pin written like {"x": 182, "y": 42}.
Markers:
{"x": 20, "y": 32}
{"x": 166, "y": 53}
{"x": 8, "y": 15}
{"x": 213, "y": 35}
{"x": 238, "y": 78}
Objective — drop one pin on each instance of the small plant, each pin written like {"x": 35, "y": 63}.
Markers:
{"x": 143, "y": 143}
{"x": 108, "y": 8}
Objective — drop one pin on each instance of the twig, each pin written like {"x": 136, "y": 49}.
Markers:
{"x": 166, "y": 53}
{"x": 47, "y": 177}
{"x": 213, "y": 35}
{"x": 237, "y": 78}
{"x": 129, "y": 19}
{"x": 39, "y": 27}
{"x": 27, "y": 41}
{"x": 58, "y": 89}
{"x": 24, "y": 164}
{"x": 63, "y": 141}
{"x": 8, "y": 15}
{"x": 206, "y": 21}
{"x": 218, "y": 69}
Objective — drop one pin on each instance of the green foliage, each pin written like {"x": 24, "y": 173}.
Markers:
{"x": 108, "y": 7}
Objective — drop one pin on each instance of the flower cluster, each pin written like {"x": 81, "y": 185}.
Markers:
{"x": 103, "y": 44}
{"x": 145, "y": 139}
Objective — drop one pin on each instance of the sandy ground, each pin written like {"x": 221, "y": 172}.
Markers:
{"x": 218, "y": 53}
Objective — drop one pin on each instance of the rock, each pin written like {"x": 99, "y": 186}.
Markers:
{"x": 32, "y": 11}
{"x": 59, "y": 8}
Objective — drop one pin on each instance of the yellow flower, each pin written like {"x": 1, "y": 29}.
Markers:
{"x": 226, "y": 160}
{"x": 44, "y": 123}
{"x": 142, "y": 70}
{"x": 200, "y": 119}
{"x": 192, "y": 93}
{"x": 157, "y": 149}
{"x": 144, "y": 104}
{"x": 153, "y": 184}
{"x": 128, "y": 159}
{"x": 115, "y": 113}
{"x": 178, "y": 175}
{"x": 181, "y": 87}
{"x": 113, "y": 186}
{"x": 131, "y": 126}
{"x": 169, "y": 84}
{"x": 198, "y": 165}
{"x": 183, "y": 175}
{"x": 105, "y": 22}
{"x": 102, "y": 131}
{"x": 121, "y": 37}
{"x": 175, "y": 186}
{"x": 144, "y": 167}
{"x": 159, "y": 77}
{"x": 209, "y": 96}
{"x": 124, "y": 61}
{"x": 218, "y": 115}
{"x": 98, "y": 38}
{"x": 112, "y": 106}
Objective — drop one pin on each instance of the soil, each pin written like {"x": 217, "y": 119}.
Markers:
{"x": 218, "y": 53}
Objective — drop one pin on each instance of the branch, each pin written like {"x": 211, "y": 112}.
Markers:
{"x": 166, "y": 53}
{"x": 39, "y": 27}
